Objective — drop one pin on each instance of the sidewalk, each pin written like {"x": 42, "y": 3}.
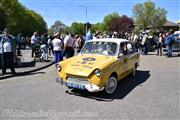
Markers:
{"x": 26, "y": 64}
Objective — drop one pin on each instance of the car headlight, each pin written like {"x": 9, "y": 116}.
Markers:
{"x": 98, "y": 72}
{"x": 58, "y": 67}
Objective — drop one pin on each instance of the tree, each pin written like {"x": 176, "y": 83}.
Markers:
{"x": 77, "y": 28}
{"x": 66, "y": 29}
{"x": 97, "y": 27}
{"x": 57, "y": 27}
{"x": 3, "y": 18}
{"x": 121, "y": 24}
{"x": 19, "y": 19}
{"x": 147, "y": 15}
{"x": 108, "y": 19}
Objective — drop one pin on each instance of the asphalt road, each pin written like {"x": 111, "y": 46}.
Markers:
{"x": 152, "y": 94}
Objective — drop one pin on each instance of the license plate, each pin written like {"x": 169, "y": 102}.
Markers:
{"x": 75, "y": 85}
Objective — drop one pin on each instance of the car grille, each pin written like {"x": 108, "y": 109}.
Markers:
{"x": 78, "y": 80}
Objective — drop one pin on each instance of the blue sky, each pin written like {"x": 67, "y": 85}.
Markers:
{"x": 69, "y": 11}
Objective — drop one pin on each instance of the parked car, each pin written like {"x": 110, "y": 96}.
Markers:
{"x": 99, "y": 65}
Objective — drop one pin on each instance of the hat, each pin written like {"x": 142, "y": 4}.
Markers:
{"x": 5, "y": 30}
{"x": 115, "y": 32}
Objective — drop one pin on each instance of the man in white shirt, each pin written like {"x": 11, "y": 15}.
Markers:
{"x": 68, "y": 46}
{"x": 7, "y": 48}
{"x": 34, "y": 41}
{"x": 145, "y": 43}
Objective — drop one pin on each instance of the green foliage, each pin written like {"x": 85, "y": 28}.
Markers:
{"x": 66, "y": 29}
{"x": 19, "y": 19}
{"x": 136, "y": 30}
{"x": 147, "y": 15}
{"x": 3, "y": 16}
{"x": 97, "y": 27}
{"x": 77, "y": 28}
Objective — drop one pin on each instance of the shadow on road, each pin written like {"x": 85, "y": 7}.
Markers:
{"x": 124, "y": 87}
{"x": 20, "y": 74}
{"x": 26, "y": 64}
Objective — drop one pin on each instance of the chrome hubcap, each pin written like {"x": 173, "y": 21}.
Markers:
{"x": 111, "y": 85}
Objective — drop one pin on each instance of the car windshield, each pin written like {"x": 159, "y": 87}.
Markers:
{"x": 101, "y": 48}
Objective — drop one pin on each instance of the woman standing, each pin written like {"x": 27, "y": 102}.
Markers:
{"x": 160, "y": 44}
{"x": 57, "y": 48}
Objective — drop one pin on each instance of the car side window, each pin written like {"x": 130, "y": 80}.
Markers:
{"x": 123, "y": 48}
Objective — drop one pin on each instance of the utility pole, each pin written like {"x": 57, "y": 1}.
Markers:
{"x": 86, "y": 16}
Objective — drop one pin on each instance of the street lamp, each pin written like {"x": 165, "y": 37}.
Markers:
{"x": 86, "y": 16}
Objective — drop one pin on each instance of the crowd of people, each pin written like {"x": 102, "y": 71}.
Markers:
{"x": 145, "y": 41}
{"x": 64, "y": 45}
{"x": 57, "y": 44}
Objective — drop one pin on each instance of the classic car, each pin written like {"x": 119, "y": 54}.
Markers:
{"x": 99, "y": 65}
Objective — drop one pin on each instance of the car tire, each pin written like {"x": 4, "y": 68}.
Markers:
{"x": 111, "y": 85}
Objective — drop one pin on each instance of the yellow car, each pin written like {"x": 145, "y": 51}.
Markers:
{"x": 99, "y": 65}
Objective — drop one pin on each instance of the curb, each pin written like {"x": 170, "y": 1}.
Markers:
{"x": 26, "y": 72}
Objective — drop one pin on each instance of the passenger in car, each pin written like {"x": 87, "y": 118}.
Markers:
{"x": 123, "y": 48}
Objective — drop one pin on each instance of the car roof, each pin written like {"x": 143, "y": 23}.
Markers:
{"x": 116, "y": 40}
{"x": 177, "y": 32}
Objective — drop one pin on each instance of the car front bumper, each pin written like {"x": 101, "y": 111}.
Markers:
{"x": 85, "y": 86}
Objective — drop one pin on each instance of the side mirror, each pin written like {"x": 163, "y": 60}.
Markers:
{"x": 121, "y": 56}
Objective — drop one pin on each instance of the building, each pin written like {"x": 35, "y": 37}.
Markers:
{"x": 170, "y": 25}
{"x": 166, "y": 27}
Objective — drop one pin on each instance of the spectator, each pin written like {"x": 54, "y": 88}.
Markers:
{"x": 44, "y": 47}
{"x": 68, "y": 46}
{"x": 19, "y": 40}
{"x": 50, "y": 46}
{"x": 76, "y": 45}
{"x": 115, "y": 35}
{"x": 160, "y": 44}
{"x": 169, "y": 42}
{"x": 57, "y": 48}
{"x": 96, "y": 35}
{"x": 145, "y": 43}
{"x": 135, "y": 41}
{"x": 34, "y": 41}
{"x": 88, "y": 35}
{"x": 81, "y": 42}
{"x": 7, "y": 50}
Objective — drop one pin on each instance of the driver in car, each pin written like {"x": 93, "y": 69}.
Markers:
{"x": 107, "y": 50}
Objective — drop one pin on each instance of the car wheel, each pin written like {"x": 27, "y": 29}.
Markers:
{"x": 134, "y": 71}
{"x": 111, "y": 85}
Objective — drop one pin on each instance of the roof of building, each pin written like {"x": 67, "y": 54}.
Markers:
{"x": 169, "y": 23}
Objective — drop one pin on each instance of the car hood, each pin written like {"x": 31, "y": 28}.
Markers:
{"x": 84, "y": 65}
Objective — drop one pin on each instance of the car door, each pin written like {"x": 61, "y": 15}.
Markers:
{"x": 129, "y": 57}
{"x": 121, "y": 61}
